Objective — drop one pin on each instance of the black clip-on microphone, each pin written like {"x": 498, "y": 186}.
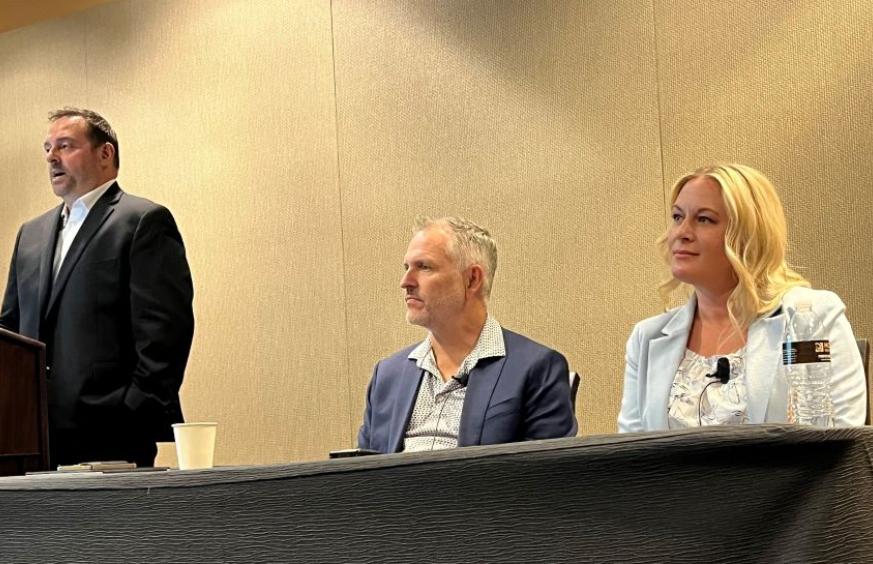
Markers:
{"x": 722, "y": 370}
{"x": 723, "y": 373}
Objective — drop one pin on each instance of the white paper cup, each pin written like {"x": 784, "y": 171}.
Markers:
{"x": 195, "y": 444}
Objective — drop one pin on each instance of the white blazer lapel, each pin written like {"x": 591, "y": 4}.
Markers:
{"x": 767, "y": 394}
{"x": 665, "y": 354}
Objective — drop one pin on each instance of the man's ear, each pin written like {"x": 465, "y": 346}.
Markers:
{"x": 107, "y": 152}
{"x": 475, "y": 278}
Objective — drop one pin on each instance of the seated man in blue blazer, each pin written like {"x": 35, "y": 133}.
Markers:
{"x": 470, "y": 382}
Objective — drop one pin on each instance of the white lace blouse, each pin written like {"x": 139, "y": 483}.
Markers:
{"x": 697, "y": 400}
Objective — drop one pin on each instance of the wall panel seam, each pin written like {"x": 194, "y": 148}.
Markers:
{"x": 86, "y": 19}
{"x": 339, "y": 186}
{"x": 660, "y": 105}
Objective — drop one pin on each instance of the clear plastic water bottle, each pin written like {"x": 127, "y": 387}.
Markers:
{"x": 806, "y": 360}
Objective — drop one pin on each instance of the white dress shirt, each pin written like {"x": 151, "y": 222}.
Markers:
{"x": 72, "y": 220}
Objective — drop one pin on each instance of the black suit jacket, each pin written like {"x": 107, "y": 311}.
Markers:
{"x": 117, "y": 321}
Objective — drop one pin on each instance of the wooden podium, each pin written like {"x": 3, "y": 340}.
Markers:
{"x": 23, "y": 405}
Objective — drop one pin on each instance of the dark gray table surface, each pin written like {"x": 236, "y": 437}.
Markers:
{"x": 721, "y": 494}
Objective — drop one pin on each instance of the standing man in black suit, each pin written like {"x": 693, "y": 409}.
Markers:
{"x": 104, "y": 282}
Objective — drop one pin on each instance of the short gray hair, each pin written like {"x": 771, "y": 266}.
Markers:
{"x": 469, "y": 244}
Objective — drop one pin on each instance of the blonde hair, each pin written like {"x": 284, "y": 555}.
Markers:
{"x": 755, "y": 242}
{"x": 469, "y": 244}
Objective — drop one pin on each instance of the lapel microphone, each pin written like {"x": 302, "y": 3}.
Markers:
{"x": 723, "y": 373}
{"x": 722, "y": 370}
{"x": 462, "y": 380}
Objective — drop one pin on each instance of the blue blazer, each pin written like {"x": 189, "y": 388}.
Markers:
{"x": 657, "y": 345}
{"x": 522, "y": 396}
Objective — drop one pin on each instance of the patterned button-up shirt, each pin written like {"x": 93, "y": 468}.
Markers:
{"x": 436, "y": 416}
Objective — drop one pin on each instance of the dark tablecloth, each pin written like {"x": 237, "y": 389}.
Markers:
{"x": 724, "y": 494}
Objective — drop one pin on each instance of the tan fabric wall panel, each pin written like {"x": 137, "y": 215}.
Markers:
{"x": 230, "y": 121}
{"x": 41, "y": 68}
{"x": 617, "y": 205}
{"x": 538, "y": 120}
{"x": 786, "y": 87}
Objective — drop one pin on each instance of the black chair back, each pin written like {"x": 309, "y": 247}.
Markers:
{"x": 864, "y": 348}
{"x": 574, "y": 387}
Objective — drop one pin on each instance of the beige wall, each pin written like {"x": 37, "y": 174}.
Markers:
{"x": 295, "y": 141}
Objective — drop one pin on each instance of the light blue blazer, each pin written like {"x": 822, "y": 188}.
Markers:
{"x": 657, "y": 346}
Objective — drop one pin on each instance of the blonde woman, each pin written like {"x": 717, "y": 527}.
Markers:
{"x": 726, "y": 250}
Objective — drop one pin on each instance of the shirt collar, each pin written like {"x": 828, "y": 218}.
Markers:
{"x": 490, "y": 344}
{"x": 85, "y": 202}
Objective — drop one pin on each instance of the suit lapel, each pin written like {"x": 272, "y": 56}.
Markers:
{"x": 407, "y": 391}
{"x": 46, "y": 262}
{"x": 665, "y": 354}
{"x": 763, "y": 360}
{"x": 483, "y": 379}
{"x": 102, "y": 209}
